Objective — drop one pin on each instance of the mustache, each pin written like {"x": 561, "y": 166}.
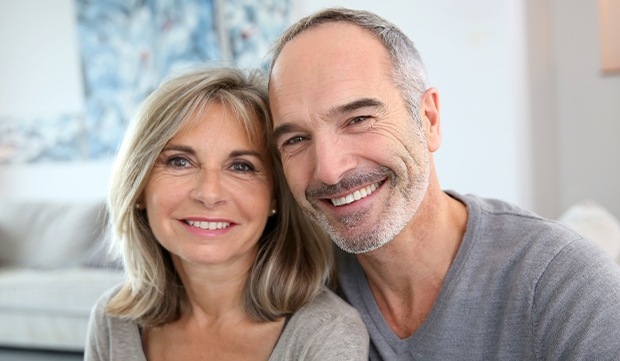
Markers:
{"x": 350, "y": 182}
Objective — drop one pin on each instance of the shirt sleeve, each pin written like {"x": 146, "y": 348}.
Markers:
{"x": 576, "y": 305}
{"x": 97, "y": 338}
{"x": 342, "y": 339}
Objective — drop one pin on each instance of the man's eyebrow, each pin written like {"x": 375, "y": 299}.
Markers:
{"x": 354, "y": 105}
{"x": 282, "y": 129}
{"x": 334, "y": 112}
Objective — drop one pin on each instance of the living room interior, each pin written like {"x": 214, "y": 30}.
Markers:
{"x": 530, "y": 104}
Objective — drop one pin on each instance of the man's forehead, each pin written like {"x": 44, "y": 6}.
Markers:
{"x": 325, "y": 41}
{"x": 324, "y": 70}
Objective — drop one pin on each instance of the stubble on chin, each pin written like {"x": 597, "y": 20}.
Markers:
{"x": 354, "y": 232}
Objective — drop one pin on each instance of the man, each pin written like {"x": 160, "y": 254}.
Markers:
{"x": 435, "y": 275}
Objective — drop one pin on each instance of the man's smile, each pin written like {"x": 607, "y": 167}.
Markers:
{"x": 355, "y": 196}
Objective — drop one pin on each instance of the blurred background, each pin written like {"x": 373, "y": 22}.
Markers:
{"x": 530, "y": 106}
{"x": 530, "y": 114}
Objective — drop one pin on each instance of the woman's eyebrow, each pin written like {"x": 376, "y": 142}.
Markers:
{"x": 190, "y": 150}
{"x": 239, "y": 153}
{"x": 180, "y": 148}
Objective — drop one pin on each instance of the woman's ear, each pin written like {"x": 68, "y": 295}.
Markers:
{"x": 273, "y": 207}
{"x": 139, "y": 204}
{"x": 429, "y": 113}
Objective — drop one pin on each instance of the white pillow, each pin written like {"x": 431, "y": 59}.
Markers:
{"x": 595, "y": 222}
{"x": 44, "y": 234}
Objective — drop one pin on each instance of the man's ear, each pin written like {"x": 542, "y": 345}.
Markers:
{"x": 429, "y": 113}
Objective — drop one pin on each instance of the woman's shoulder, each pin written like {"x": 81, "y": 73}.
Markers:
{"x": 104, "y": 298}
{"x": 327, "y": 305}
{"x": 106, "y": 323}
{"x": 327, "y": 328}
{"x": 110, "y": 337}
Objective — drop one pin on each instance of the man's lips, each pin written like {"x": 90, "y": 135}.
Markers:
{"x": 355, "y": 196}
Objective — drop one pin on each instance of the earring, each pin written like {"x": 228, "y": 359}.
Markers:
{"x": 138, "y": 206}
{"x": 273, "y": 211}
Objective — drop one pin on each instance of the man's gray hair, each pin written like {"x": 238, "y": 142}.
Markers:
{"x": 409, "y": 73}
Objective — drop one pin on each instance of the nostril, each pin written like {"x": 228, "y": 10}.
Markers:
{"x": 207, "y": 189}
{"x": 332, "y": 165}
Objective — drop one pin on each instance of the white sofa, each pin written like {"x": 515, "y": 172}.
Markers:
{"x": 596, "y": 223}
{"x": 53, "y": 267}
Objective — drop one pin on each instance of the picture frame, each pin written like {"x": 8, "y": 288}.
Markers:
{"x": 609, "y": 14}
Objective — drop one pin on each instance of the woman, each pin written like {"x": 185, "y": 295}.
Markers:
{"x": 220, "y": 262}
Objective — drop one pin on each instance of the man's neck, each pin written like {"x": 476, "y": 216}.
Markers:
{"x": 406, "y": 275}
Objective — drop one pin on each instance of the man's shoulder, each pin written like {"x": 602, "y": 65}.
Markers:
{"x": 492, "y": 206}
{"x": 503, "y": 218}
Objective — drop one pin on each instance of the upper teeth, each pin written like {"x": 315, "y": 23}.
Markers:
{"x": 209, "y": 225}
{"x": 355, "y": 196}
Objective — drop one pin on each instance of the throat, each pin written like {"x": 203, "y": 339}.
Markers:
{"x": 406, "y": 313}
{"x": 405, "y": 297}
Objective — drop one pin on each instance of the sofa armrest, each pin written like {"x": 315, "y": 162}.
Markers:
{"x": 46, "y": 234}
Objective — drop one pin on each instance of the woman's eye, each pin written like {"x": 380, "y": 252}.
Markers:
{"x": 243, "y": 167}
{"x": 178, "y": 162}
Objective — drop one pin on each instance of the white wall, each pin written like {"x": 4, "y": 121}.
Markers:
{"x": 589, "y": 108}
{"x": 575, "y": 109}
{"x": 40, "y": 75}
{"x": 39, "y": 61}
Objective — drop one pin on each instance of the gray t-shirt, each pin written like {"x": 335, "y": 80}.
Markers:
{"x": 325, "y": 329}
{"x": 520, "y": 288}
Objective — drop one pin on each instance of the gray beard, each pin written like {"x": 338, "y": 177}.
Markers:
{"x": 397, "y": 213}
{"x": 363, "y": 243}
{"x": 397, "y": 216}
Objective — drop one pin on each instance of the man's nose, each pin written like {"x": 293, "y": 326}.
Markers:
{"x": 333, "y": 160}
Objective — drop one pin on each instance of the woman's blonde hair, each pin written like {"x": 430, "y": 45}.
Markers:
{"x": 295, "y": 257}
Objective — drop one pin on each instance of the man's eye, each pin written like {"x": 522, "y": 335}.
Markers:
{"x": 358, "y": 120}
{"x": 294, "y": 140}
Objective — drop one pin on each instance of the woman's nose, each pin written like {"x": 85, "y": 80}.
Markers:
{"x": 207, "y": 188}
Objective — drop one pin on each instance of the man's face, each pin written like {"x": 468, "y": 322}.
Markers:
{"x": 352, "y": 154}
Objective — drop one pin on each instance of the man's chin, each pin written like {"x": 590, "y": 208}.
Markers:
{"x": 357, "y": 245}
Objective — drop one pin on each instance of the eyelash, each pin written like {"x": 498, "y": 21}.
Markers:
{"x": 359, "y": 119}
{"x": 294, "y": 140}
{"x": 173, "y": 161}
{"x": 249, "y": 167}
{"x": 300, "y": 138}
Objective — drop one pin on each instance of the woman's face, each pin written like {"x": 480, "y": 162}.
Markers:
{"x": 209, "y": 193}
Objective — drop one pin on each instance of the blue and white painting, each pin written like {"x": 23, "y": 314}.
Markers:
{"x": 37, "y": 139}
{"x": 252, "y": 27}
{"x": 127, "y": 47}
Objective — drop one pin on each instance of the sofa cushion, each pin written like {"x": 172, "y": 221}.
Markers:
{"x": 593, "y": 221}
{"x": 50, "y": 234}
{"x": 50, "y": 309}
